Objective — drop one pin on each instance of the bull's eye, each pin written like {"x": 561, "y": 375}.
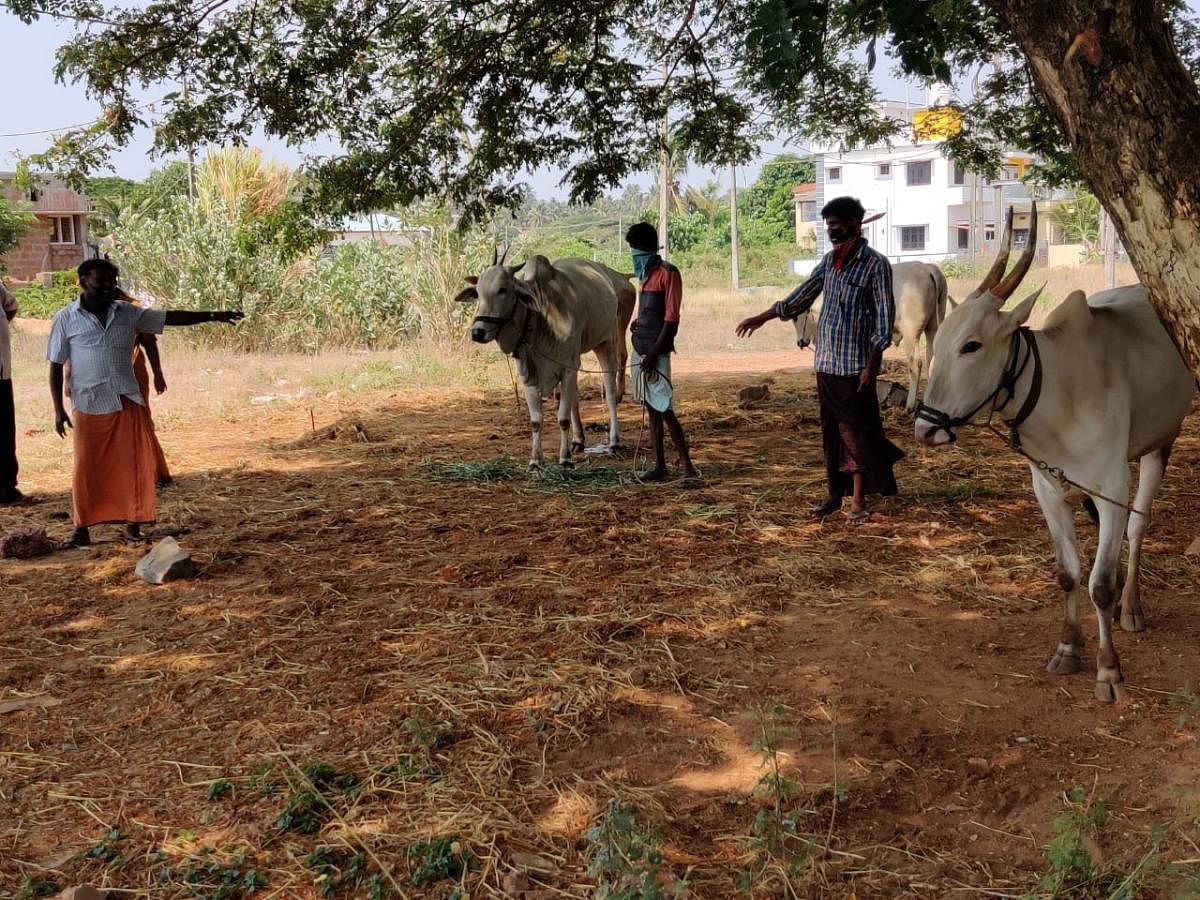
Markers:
{"x": 970, "y": 347}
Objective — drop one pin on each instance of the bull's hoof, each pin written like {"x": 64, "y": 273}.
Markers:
{"x": 535, "y": 465}
{"x": 1133, "y": 621}
{"x": 578, "y": 446}
{"x": 567, "y": 464}
{"x": 1066, "y": 661}
{"x": 1108, "y": 691}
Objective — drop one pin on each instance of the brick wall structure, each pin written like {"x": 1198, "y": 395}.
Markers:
{"x": 37, "y": 251}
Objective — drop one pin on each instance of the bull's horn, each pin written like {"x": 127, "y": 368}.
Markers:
{"x": 504, "y": 255}
{"x": 1001, "y": 262}
{"x": 1004, "y": 289}
{"x": 495, "y": 254}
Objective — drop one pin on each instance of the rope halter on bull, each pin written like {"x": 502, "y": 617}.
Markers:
{"x": 1001, "y": 288}
{"x": 1014, "y": 368}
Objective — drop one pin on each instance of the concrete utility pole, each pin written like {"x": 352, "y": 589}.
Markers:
{"x": 998, "y": 217}
{"x": 1108, "y": 246}
{"x": 973, "y": 232}
{"x": 733, "y": 237}
{"x": 664, "y": 189}
{"x": 191, "y": 155}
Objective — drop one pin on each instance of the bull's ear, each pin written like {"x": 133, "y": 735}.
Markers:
{"x": 517, "y": 268}
{"x": 1020, "y": 315}
{"x": 472, "y": 279}
{"x": 467, "y": 295}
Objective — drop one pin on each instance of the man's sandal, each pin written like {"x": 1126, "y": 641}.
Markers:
{"x": 828, "y": 508}
{"x": 74, "y": 541}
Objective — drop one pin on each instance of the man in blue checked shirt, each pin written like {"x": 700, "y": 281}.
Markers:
{"x": 854, "y": 329}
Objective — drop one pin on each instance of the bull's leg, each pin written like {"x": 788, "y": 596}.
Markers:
{"x": 930, "y": 333}
{"x": 566, "y": 406}
{"x": 1103, "y": 582}
{"x": 611, "y": 366}
{"x": 1068, "y": 657}
{"x": 533, "y": 400}
{"x": 622, "y": 370}
{"x": 1150, "y": 476}
{"x": 912, "y": 358}
{"x": 578, "y": 440}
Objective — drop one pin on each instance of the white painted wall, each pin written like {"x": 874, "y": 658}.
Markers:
{"x": 937, "y": 206}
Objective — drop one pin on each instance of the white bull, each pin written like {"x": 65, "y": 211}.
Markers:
{"x": 546, "y": 321}
{"x": 1101, "y": 384}
{"x": 921, "y": 300}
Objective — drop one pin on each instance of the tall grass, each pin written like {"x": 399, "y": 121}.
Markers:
{"x": 237, "y": 180}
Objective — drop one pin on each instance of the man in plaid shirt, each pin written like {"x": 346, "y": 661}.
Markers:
{"x": 854, "y": 329}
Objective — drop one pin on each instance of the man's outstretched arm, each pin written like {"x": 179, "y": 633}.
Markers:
{"x": 187, "y": 317}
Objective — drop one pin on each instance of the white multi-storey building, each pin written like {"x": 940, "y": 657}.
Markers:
{"x": 933, "y": 209}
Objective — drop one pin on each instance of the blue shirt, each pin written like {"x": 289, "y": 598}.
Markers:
{"x": 101, "y": 353}
{"x": 856, "y": 315}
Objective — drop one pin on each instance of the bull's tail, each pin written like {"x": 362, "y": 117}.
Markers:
{"x": 942, "y": 292}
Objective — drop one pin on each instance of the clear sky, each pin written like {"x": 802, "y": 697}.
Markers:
{"x": 32, "y": 105}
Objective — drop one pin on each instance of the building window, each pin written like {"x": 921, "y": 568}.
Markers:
{"x": 1020, "y": 237}
{"x": 834, "y": 173}
{"x": 920, "y": 172}
{"x": 912, "y": 237}
{"x": 989, "y": 232}
{"x": 62, "y": 230}
{"x": 885, "y": 170}
{"x": 960, "y": 175}
{"x": 808, "y": 210}
{"x": 964, "y": 239}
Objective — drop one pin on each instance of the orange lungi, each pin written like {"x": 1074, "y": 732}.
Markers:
{"x": 142, "y": 374}
{"x": 114, "y": 468}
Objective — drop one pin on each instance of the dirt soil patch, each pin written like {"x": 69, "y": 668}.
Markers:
{"x": 401, "y": 675}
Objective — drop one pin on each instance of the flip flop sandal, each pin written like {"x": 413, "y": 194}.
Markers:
{"x": 828, "y": 508}
{"x": 690, "y": 481}
{"x": 73, "y": 543}
{"x": 858, "y": 516}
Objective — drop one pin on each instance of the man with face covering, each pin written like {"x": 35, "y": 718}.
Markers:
{"x": 854, "y": 329}
{"x": 654, "y": 332}
{"x": 114, "y": 448}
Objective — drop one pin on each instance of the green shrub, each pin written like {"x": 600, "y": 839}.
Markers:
{"x": 37, "y": 302}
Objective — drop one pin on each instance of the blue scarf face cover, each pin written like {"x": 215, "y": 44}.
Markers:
{"x": 641, "y": 262}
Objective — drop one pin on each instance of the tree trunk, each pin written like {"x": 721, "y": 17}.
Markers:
{"x": 1131, "y": 111}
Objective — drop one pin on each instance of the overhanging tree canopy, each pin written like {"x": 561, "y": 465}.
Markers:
{"x": 459, "y": 98}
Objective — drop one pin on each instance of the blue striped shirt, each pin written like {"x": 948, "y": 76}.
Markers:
{"x": 101, "y": 353}
{"x": 856, "y": 315}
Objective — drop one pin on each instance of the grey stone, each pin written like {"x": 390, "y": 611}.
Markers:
{"x": 166, "y": 562}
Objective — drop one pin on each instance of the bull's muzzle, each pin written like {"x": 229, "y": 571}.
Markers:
{"x": 479, "y": 334}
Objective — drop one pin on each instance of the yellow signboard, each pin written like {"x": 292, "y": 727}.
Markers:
{"x": 937, "y": 124}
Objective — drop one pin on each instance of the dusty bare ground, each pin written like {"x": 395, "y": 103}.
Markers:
{"x": 494, "y": 660}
